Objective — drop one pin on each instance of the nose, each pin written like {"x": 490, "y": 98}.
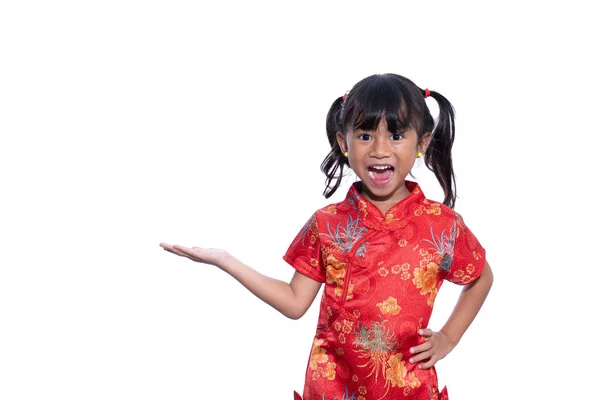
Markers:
{"x": 380, "y": 148}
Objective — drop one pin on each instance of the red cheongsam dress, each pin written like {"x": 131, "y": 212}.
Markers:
{"x": 381, "y": 274}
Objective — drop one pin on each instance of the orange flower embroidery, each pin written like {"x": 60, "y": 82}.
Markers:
{"x": 389, "y": 218}
{"x": 389, "y": 306}
{"x": 336, "y": 270}
{"x": 329, "y": 373}
{"x": 347, "y": 327}
{"x": 332, "y": 209}
{"x": 426, "y": 280}
{"x": 318, "y": 354}
{"x": 396, "y": 372}
{"x": 413, "y": 381}
{"x": 470, "y": 268}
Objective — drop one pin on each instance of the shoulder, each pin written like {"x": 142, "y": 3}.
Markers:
{"x": 330, "y": 210}
{"x": 335, "y": 213}
{"x": 434, "y": 210}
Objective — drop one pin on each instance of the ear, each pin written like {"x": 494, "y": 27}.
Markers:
{"x": 424, "y": 142}
{"x": 341, "y": 139}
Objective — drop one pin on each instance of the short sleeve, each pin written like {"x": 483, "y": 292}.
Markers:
{"x": 468, "y": 259}
{"x": 304, "y": 254}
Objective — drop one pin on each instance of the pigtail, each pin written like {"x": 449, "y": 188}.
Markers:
{"x": 334, "y": 163}
{"x": 438, "y": 156}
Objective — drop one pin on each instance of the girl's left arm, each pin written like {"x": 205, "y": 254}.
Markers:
{"x": 468, "y": 305}
{"x": 438, "y": 344}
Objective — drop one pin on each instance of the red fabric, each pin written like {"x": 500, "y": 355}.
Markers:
{"x": 381, "y": 274}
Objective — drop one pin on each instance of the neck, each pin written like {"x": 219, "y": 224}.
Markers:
{"x": 387, "y": 202}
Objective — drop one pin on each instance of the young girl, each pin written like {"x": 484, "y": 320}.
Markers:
{"x": 382, "y": 253}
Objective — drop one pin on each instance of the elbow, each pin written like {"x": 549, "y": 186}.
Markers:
{"x": 489, "y": 274}
{"x": 293, "y": 314}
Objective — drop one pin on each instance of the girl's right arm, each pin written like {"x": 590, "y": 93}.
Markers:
{"x": 291, "y": 299}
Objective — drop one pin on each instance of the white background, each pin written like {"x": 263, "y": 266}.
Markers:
{"x": 127, "y": 123}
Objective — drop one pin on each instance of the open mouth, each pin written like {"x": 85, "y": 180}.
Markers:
{"x": 380, "y": 173}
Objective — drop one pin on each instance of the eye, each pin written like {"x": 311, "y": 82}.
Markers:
{"x": 364, "y": 136}
{"x": 396, "y": 136}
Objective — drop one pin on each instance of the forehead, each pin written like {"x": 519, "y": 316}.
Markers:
{"x": 382, "y": 129}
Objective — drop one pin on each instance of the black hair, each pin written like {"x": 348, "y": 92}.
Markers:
{"x": 402, "y": 104}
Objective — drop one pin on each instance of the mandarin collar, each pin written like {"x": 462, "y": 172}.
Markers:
{"x": 394, "y": 218}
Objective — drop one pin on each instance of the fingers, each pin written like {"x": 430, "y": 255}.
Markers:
{"x": 429, "y": 363}
{"x": 185, "y": 251}
{"x": 429, "y": 355}
{"x": 175, "y": 249}
{"x": 421, "y": 352}
{"x": 424, "y": 352}
{"x": 426, "y": 333}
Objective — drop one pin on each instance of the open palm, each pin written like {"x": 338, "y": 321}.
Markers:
{"x": 198, "y": 254}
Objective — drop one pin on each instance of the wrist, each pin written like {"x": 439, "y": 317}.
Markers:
{"x": 225, "y": 261}
{"x": 453, "y": 337}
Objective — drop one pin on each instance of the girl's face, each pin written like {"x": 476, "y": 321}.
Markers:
{"x": 382, "y": 160}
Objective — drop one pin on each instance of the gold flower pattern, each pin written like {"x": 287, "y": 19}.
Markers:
{"x": 389, "y": 306}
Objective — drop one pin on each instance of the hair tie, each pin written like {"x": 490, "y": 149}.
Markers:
{"x": 344, "y": 96}
{"x": 426, "y": 93}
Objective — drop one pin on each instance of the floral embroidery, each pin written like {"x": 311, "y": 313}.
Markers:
{"x": 347, "y": 328}
{"x": 470, "y": 268}
{"x": 431, "y": 208}
{"x": 396, "y": 269}
{"x": 444, "y": 246}
{"x": 375, "y": 344}
{"x": 389, "y": 218}
{"x": 426, "y": 280}
{"x": 329, "y": 373}
{"x": 413, "y": 381}
{"x": 465, "y": 278}
{"x": 389, "y": 306}
{"x": 362, "y": 249}
{"x": 353, "y": 200}
{"x": 319, "y": 362}
{"x": 318, "y": 354}
{"x": 336, "y": 270}
{"x": 396, "y": 372}
{"x": 344, "y": 238}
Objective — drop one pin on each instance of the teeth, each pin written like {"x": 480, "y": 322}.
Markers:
{"x": 380, "y": 167}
